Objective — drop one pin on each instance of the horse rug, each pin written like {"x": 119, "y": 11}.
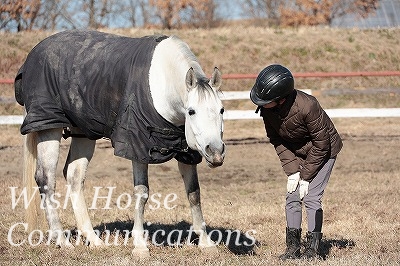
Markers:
{"x": 99, "y": 83}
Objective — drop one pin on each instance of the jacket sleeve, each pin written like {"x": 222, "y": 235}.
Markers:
{"x": 316, "y": 122}
{"x": 288, "y": 159}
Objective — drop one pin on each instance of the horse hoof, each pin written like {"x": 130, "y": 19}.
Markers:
{"x": 69, "y": 245}
{"x": 141, "y": 253}
{"x": 209, "y": 249}
{"x": 66, "y": 245}
{"x": 97, "y": 244}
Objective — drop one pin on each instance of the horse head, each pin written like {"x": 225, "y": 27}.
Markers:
{"x": 203, "y": 117}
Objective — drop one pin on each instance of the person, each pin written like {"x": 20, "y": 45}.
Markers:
{"x": 307, "y": 143}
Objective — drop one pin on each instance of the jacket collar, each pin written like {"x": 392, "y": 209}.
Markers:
{"x": 283, "y": 109}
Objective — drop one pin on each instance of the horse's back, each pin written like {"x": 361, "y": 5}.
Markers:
{"x": 80, "y": 78}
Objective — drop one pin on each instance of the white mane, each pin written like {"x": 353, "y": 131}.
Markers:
{"x": 172, "y": 59}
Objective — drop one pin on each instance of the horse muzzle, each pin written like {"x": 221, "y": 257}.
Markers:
{"x": 215, "y": 156}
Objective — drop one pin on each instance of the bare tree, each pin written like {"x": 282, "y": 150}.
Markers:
{"x": 263, "y": 9}
{"x": 135, "y": 11}
{"x": 200, "y": 14}
{"x": 131, "y": 8}
{"x": 22, "y": 12}
{"x": 98, "y": 12}
{"x": 144, "y": 7}
{"x": 52, "y": 14}
{"x": 311, "y": 12}
{"x": 168, "y": 11}
{"x": 173, "y": 13}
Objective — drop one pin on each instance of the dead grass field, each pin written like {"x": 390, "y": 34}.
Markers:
{"x": 361, "y": 203}
{"x": 362, "y": 200}
{"x": 249, "y": 49}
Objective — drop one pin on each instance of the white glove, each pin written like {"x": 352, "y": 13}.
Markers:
{"x": 292, "y": 182}
{"x": 303, "y": 188}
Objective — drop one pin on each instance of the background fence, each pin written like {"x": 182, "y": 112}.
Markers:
{"x": 245, "y": 109}
{"x": 376, "y": 87}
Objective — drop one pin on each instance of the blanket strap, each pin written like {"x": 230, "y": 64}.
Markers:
{"x": 166, "y": 151}
{"x": 67, "y": 133}
{"x": 170, "y": 132}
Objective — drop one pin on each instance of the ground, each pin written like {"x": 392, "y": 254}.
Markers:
{"x": 361, "y": 203}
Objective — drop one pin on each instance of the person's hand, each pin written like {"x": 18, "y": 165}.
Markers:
{"x": 292, "y": 182}
{"x": 303, "y": 188}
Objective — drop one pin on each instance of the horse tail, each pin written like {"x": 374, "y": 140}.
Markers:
{"x": 18, "y": 86}
{"x": 29, "y": 183}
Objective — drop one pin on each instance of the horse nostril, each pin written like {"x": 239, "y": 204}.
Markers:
{"x": 208, "y": 150}
{"x": 212, "y": 151}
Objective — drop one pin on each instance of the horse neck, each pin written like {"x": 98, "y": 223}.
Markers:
{"x": 167, "y": 81}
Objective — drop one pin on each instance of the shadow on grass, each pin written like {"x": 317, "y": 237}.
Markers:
{"x": 327, "y": 244}
{"x": 180, "y": 234}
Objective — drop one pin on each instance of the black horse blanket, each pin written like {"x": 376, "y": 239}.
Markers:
{"x": 99, "y": 83}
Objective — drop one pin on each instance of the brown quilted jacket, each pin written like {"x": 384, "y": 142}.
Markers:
{"x": 303, "y": 135}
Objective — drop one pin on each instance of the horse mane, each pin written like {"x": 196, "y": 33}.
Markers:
{"x": 202, "y": 79}
{"x": 184, "y": 49}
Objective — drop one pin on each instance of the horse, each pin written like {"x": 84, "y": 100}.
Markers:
{"x": 148, "y": 95}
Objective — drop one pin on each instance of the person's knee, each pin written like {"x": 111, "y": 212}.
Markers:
{"x": 293, "y": 204}
{"x": 312, "y": 203}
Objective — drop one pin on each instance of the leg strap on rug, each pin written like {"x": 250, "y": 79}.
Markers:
{"x": 67, "y": 133}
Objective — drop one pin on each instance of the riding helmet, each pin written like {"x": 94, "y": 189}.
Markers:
{"x": 272, "y": 84}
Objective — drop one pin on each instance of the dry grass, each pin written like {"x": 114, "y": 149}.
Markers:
{"x": 247, "y": 193}
{"x": 249, "y": 49}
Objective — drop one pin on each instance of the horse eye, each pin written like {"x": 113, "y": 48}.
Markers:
{"x": 222, "y": 110}
{"x": 192, "y": 112}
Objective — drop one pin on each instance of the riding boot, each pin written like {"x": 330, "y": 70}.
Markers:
{"x": 293, "y": 236}
{"x": 312, "y": 246}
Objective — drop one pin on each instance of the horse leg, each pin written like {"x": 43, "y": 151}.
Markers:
{"x": 190, "y": 179}
{"x": 48, "y": 148}
{"x": 79, "y": 156}
{"x": 141, "y": 193}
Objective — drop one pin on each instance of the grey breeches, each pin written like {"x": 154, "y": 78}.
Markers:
{"x": 312, "y": 201}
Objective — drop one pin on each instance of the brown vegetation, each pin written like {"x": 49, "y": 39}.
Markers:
{"x": 242, "y": 49}
{"x": 247, "y": 49}
{"x": 311, "y": 13}
{"x": 23, "y": 12}
{"x": 247, "y": 193}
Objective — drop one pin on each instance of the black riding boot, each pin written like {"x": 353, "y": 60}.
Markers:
{"x": 312, "y": 246}
{"x": 293, "y": 236}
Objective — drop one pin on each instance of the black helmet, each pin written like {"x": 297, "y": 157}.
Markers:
{"x": 272, "y": 84}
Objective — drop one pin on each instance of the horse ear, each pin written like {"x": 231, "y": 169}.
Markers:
{"x": 191, "y": 80}
{"x": 216, "y": 79}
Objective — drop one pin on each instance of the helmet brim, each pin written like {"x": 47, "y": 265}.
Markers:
{"x": 255, "y": 99}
